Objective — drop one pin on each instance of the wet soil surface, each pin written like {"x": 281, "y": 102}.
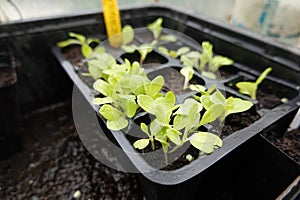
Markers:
{"x": 289, "y": 143}
{"x": 54, "y": 164}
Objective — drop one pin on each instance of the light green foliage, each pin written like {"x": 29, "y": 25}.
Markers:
{"x": 186, "y": 118}
{"x": 250, "y": 88}
{"x": 217, "y": 106}
{"x": 122, "y": 84}
{"x": 81, "y": 40}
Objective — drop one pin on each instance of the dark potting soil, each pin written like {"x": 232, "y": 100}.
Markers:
{"x": 238, "y": 121}
{"x": 267, "y": 100}
{"x": 289, "y": 143}
{"x": 54, "y": 164}
{"x": 227, "y": 71}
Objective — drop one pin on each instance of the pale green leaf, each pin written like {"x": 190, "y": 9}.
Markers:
{"x": 128, "y": 48}
{"x": 180, "y": 121}
{"x": 182, "y": 50}
{"x": 103, "y": 87}
{"x": 109, "y": 112}
{"x": 145, "y": 102}
{"x": 144, "y": 128}
{"x": 197, "y": 87}
{"x": 79, "y": 37}
{"x": 174, "y": 135}
{"x": 221, "y": 60}
{"x": 91, "y": 40}
{"x": 86, "y": 50}
{"x": 104, "y": 100}
{"x": 171, "y": 98}
{"x": 213, "y": 112}
{"x": 169, "y": 38}
{"x": 188, "y": 73}
{"x": 205, "y": 101}
{"x": 209, "y": 75}
{"x": 263, "y": 75}
{"x": 217, "y": 97}
{"x": 155, "y": 86}
{"x": 236, "y": 105}
{"x": 206, "y": 142}
{"x": 156, "y": 27}
{"x": 163, "y": 50}
{"x": 248, "y": 88}
{"x": 95, "y": 71}
{"x": 127, "y": 34}
{"x": 67, "y": 43}
{"x": 117, "y": 124}
{"x": 141, "y": 143}
{"x": 189, "y": 106}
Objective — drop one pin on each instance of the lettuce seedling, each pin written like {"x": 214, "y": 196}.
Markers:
{"x": 181, "y": 129}
{"x": 217, "y": 106}
{"x": 250, "y": 88}
{"x": 156, "y": 28}
{"x": 124, "y": 82}
{"x": 81, "y": 40}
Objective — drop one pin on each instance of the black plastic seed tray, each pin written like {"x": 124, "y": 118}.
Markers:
{"x": 251, "y": 54}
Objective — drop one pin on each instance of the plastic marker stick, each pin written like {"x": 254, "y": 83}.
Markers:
{"x": 112, "y": 22}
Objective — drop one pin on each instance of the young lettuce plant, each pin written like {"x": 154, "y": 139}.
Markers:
{"x": 183, "y": 128}
{"x": 123, "y": 84}
{"x": 217, "y": 106}
{"x": 81, "y": 40}
{"x": 156, "y": 28}
{"x": 250, "y": 88}
{"x": 206, "y": 63}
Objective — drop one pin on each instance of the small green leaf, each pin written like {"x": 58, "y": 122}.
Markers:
{"x": 146, "y": 102}
{"x": 127, "y": 34}
{"x": 248, "y": 88}
{"x": 99, "y": 50}
{"x": 209, "y": 75}
{"x": 188, "y": 73}
{"x": 141, "y": 143}
{"x": 213, "y": 112}
{"x": 86, "y": 50}
{"x": 217, "y": 97}
{"x": 156, "y": 27}
{"x": 155, "y": 86}
{"x": 95, "y": 71}
{"x": 205, "y": 101}
{"x": 170, "y": 97}
{"x": 169, "y": 38}
{"x": 221, "y": 60}
{"x": 67, "y": 43}
{"x": 103, "y": 87}
{"x": 263, "y": 75}
{"x": 79, "y": 37}
{"x": 144, "y": 128}
{"x": 174, "y": 135}
{"x": 198, "y": 88}
{"x": 91, "y": 40}
{"x": 100, "y": 101}
{"x": 180, "y": 121}
{"x": 128, "y": 48}
{"x": 155, "y": 127}
{"x": 205, "y": 142}
{"x": 236, "y": 105}
{"x": 189, "y": 106}
{"x": 163, "y": 50}
{"x": 109, "y": 112}
{"x": 117, "y": 124}
{"x": 182, "y": 50}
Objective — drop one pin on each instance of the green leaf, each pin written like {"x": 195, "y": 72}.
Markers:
{"x": 156, "y": 27}
{"x": 155, "y": 127}
{"x": 79, "y": 37}
{"x": 110, "y": 113}
{"x": 263, "y": 75}
{"x": 155, "y": 86}
{"x": 236, "y": 105}
{"x": 128, "y": 48}
{"x": 209, "y": 75}
{"x": 95, "y": 71}
{"x": 198, "y": 88}
{"x": 189, "y": 106}
{"x": 205, "y": 101}
{"x": 221, "y": 60}
{"x": 188, "y": 73}
{"x": 169, "y": 38}
{"x": 174, "y": 135}
{"x": 98, "y": 50}
{"x": 129, "y": 106}
{"x": 170, "y": 97}
{"x": 161, "y": 113}
{"x": 248, "y": 88}
{"x": 144, "y": 128}
{"x": 138, "y": 84}
{"x": 117, "y": 124}
{"x": 67, "y": 43}
{"x": 182, "y": 50}
{"x": 100, "y": 101}
{"x": 180, "y": 121}
{"x": 217, "y": 97}
{"x": 145, "y": 102}
{"x": 206, "y": 142}
{"x": 143, "y": 50}
{"x": 127, "y": 34}
{"x": 98, "y": 63}
{"x": 141, "y": 143}
{"x": 86, "y": 50}
{"x": 91, "y": 40}
{"x": 206, "y": 56}
{"x": 103, "y": 87}
{"x": 163, "y": 50}
{"x": 213, "y": 112}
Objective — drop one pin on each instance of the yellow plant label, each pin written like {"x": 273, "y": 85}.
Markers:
{"x": 112, "y": 22}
